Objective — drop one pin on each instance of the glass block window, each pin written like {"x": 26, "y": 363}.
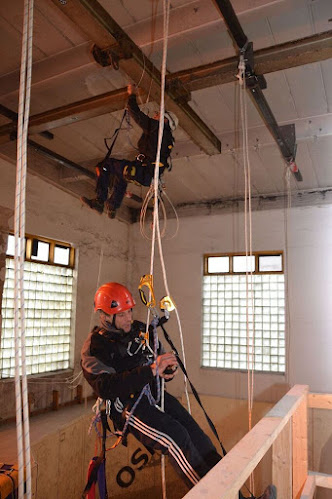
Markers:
{"x": 48, "y": 297}
{"x": 224, "y": 328}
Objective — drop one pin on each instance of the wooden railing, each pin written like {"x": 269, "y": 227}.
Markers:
{"x": 285, "y": 430}
{"x": 314, "y": 479}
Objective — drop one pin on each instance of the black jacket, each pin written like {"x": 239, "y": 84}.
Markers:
{"x": 148, "y": 141}
{"x": 116, "y": 364}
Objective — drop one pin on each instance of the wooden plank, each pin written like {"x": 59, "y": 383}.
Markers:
{"x": 309, "y": 488}
{"x": 300, "y": 448}
{"x": 268, "y": 60}
{"x": 50, "y": 67}
{"x": 320, "y": 400}
{"x": 282, "y": 462}
{"x": 227, "y": 477}
{"x": 322, "y": 480}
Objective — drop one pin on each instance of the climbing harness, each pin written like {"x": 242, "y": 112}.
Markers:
{"x": 96, "y": 472}
{"x": 114, "y": 137}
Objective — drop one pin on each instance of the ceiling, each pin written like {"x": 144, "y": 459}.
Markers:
{"x": 64, "y": 72}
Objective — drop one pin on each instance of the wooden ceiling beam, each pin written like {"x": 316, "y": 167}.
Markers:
{"x": 100, "y": 27}
{"x": 279, "y": 57}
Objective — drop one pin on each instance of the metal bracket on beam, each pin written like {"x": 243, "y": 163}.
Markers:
{"x": 252, "y": 80}
{"x": 177, "y": 91}
{"x": 105, "y": 57}
{"x": 289, "y": 135}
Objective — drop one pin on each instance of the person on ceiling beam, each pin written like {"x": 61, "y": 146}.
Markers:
{"x": 141, "y": 169}
{"x": 118, "y": 364}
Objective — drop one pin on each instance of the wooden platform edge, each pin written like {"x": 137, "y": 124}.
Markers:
{"x": 320, "y": 401}
{"x": 227, "y": 477}
{"x": 314, "y": 480}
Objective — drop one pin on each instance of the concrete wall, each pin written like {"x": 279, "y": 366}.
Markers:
{"x": 101, "y": 250}
{"x": 310, "y": 292}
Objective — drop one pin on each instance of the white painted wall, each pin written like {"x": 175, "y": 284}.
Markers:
{"x": 113, "y": 251}
{"x": 310, "y": 292}
{"x": 101, "y": 244}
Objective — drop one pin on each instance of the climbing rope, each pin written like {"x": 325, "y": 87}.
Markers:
{"x": 161, "y": 193}
{"x": 156, "y": 233}
{"x": 156, "y": 227}
{"x": 287, "y": 208}
{"x": 248, "y": 248}
{"x": 21, "y": 394}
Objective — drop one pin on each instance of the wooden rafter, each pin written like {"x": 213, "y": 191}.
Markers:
{"x": 279, "y": 57}
{"x": 100, "y": 27}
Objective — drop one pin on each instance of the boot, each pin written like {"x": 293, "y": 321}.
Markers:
{"x": 111, "y": 212}
{"x": 269, "y": 493}
{"x": 94, "y": 204}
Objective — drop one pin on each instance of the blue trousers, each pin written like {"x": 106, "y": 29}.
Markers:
{"x": 122, "y": 171}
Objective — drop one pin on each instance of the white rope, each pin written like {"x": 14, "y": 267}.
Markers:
{"x": 287, "y": 309}
{"x": 161, "y": 192}
{"x": 21, "y": 394}
{"x": 156, "y": 227}
{"x": 248, "y": 248}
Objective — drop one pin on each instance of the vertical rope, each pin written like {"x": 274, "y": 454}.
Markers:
{"x": 21, "y": 393}
{"x": 156, "y": 179}
{"x": 287, "y": 310}
{"x": 248, "y": 248}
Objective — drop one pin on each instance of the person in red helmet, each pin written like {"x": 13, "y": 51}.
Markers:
{"x": 118, "y": 365}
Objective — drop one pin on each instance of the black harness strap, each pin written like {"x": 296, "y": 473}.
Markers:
{"x": 114, "y": 137}
{"x": 213, "y": 428}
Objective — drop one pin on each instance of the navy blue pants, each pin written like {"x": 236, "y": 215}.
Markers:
{"x": 122, "y": 171}
{"x": 175, "y": 433}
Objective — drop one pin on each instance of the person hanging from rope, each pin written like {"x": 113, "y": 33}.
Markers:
{"x": 140, "y": 170}
{"x": 118, "y": 364}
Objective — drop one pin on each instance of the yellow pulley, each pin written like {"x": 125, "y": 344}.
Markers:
{"x": 167, "y": 303}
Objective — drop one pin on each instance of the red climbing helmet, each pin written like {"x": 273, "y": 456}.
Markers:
{"x": 113, "y": 298}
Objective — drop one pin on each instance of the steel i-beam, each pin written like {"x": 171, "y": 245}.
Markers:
{"x": 255, "y": 84}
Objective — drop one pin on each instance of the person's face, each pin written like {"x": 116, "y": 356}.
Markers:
{"x": 156, "y": 116}
{"x": 123, "y": 320}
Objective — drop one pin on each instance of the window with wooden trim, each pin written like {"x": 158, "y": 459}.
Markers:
{"x": 224, "y": 314}
{"x": 48, "y": 295}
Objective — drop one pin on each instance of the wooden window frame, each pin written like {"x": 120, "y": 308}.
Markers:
{"x": 53, "y": 243}
{"x": 256, "y": 254}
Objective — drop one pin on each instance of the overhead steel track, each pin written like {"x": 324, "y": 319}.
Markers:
{"x": 284, "y": 136}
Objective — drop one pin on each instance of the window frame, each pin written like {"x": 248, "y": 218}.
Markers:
{"x": 71, "y": 265}
{"x": 231, "y": 255}
{"x": 29, "y": 238}
{"x": 205, "y": 273}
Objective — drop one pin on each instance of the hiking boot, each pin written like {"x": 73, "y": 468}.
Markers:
{"x": 269, "y": 493}
{"x": 94, "y": 204}
{"x": 111, "y": 212}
